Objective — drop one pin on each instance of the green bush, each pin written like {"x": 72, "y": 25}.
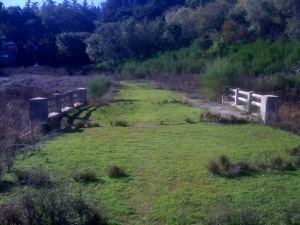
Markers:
{"x": 115, "y": 172}
{"x": 264, "y": 56}
{"x": 218, "y": 74}
{"x": 98, "y": 86}
{"x": 85, "y": 176}
{"x": 182, "y": 61}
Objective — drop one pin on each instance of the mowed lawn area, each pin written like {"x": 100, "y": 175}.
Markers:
{"x": 165, "y": 160}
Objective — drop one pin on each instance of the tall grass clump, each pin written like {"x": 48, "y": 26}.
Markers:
{"x": 35, "y": 178}
{"x": 218, "y": 74}
{"x": 98, "y": 86}
{"x": 231, "y": 214}
{"x": 49, "y": 208}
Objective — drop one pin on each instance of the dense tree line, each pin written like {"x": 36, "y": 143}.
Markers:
{"x": 50, "y": 34}
{"x": 69, "y": 33}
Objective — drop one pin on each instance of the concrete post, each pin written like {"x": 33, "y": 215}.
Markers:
{"x": 82, "y": 92}
{"x": 269, "y": 108}
{"x": 58, "y": 106}
{"x": 249, "y": 100}
{"x": 71, "y": 99}
{"x": 236, "y": 96}
{"x": 38, "y": 109}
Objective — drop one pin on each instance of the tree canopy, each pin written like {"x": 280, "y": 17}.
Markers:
{"x": 116, "y": 30}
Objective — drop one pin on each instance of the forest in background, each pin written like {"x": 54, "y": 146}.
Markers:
{"x": 228, "y": 42}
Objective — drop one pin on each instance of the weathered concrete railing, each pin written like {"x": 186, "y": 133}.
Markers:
{"x": 42, "y": 109}
{"x": 266, "y": 105}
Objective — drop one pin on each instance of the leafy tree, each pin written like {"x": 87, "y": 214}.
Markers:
{"x": 71, "y": 47}
{"x": 233, "y": 32}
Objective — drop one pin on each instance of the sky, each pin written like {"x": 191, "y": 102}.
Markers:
{"x": 22, "y": 2}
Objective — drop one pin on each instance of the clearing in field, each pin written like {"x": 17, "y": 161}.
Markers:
{"x": 165, "y": 160}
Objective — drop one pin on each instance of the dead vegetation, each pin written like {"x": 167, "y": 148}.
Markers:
{"x": 222, "y": 166}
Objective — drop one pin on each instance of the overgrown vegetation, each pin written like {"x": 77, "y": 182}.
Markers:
{"x": 38, "y": 178}
{"x": 49, "y": 208}
{"x": 115, "y": 172}
{"x": 97, "y": 87}
{"x": 211, "y": 117}
{"x": 85, "y": 176}
{"x": 223, "y": 167}
{"x": 230, "y": 214}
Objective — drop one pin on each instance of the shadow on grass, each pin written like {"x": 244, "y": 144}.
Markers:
{"x": 88, "y": 112}
{"x": 124, "y": 177}
{"x": 92, "y": 181}
{"x": 6, "y": 185}
{"x": 129, "y": 101}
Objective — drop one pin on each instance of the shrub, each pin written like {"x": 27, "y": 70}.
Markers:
{"x": 289, "y": 166}
{"x": 213, "y": 168}
{"x": 223, "y": 167}
{"x": 35, "y": 178}
{"x": 218, "y": 74}
{"x": 85, "y": 176}
{"x": 121, "y": 123}
{"x": 189, "y": 120}
{"x": 115, "y": 172}
{"x": 182, "y": 61}
{"x": 50, "y": 208}
{"x": 277, "y": 164}
{"x": 295, "y": 151}
{"x": 237, "y": 170}
{"x": 263, "y": 56}
{"x": 97, "y": 86}
{"x": 229, "y": 214}
{"x": 258, "y": 165}
{"x": 224, "y": 162}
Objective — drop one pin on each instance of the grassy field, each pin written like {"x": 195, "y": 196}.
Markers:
{"x": 165, "y": 159}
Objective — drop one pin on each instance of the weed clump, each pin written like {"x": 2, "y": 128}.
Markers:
{"x": 49, "y": 208}
{"x": 213, "y": 168}
{"x": 115, "y": 172}
{"x": 224, "y": 162}
{"x": 85, "y": 176}
{"x": 97, "y": 87}
{"x": 121, "y": 123}
{"x": 223, "y": 167}
{"x": 229, "y": 214}
{"x": 35, "y": 178}
{"x": 295, "y": 151}
{"x": 210, "y": 117}
{"x": 189, "y": 120}
{"x": 277, "y": 164}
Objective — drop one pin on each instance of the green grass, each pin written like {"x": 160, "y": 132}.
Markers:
{"x": 167, "y": 180}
